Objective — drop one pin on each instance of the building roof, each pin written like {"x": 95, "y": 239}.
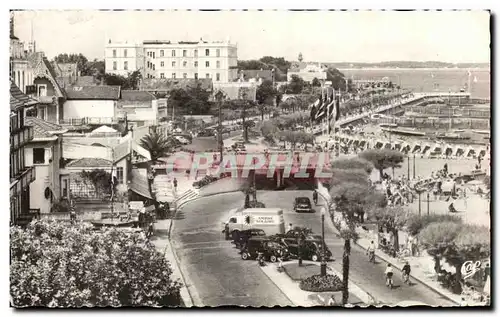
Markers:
{"x": 43, "y": 129}
{"x": 264, "y": 74}
{"x": 87, "y": 162}
{"x": 63, "y": 69}
{"x": 93, "y": 93}
{"x": 77, "y": 81}
{"x": 167, "y": 84}
{"x": 137, "y": 95}
{"x": 17, "y": 98}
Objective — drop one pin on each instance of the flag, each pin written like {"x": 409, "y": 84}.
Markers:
{"x": 331, "y": 106}
{"x": 315, "y": 107}
{"x": 321, "y": 111}
{"x": 113, "y": 175}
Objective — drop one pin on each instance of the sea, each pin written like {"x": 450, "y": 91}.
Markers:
{"x": 429, "y": 79}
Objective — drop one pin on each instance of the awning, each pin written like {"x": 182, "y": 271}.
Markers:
{"x": 139, "y": 184}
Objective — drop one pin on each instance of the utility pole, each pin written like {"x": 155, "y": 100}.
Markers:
{"x": 219, "y": 96}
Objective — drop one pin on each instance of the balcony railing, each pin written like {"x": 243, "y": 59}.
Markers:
{"x": 21, "y": 138}
{"x": 89, "y": 120}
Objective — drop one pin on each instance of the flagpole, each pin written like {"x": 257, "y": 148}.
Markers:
{"x": 328, "y": 114}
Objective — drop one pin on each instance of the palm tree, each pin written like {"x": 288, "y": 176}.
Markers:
{"x": 158, "y": 146}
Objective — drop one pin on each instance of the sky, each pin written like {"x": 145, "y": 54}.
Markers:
{"x": 325, "y": 36}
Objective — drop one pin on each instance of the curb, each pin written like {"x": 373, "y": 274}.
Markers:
{"x": 413, "y": 276}
{"x": 385, "y": 260}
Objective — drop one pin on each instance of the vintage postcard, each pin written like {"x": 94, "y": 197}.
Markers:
{"x": 249, "y": 158}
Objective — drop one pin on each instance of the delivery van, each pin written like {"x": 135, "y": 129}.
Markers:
{"x": 268, "y": 219}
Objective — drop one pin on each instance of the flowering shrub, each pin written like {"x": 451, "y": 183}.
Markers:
{"x": 318, "y": 283}
{"x": 54, "y": 264}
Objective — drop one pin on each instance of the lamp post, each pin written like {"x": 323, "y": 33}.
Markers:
{"x": 219, "y": 96}
{"x": 408, "y": 166}
{"x": 428, "y": 203}
{"x": 413, "y": 166}
{"x": 323, "y": 263}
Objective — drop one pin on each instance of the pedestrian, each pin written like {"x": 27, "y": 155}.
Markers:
{"x": 175, "y": 185}
{"x": 331, "y": 301}
{"x": 290, "y": 227}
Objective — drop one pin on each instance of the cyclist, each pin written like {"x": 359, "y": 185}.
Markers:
{"x": 406, "y": 273}
{"x": 371, "y": 252}
{"x": 389, "y": 272}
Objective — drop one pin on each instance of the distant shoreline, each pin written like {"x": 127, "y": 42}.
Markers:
{"x": 416, "y": 68}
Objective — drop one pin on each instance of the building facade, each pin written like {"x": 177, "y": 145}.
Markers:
{"x": 91, "y": 105}
{"x": 44, "y": 153}
{"x": 181, "y": 60}
{"x": 20, "y": 175}
{"x": 307, "y": 72}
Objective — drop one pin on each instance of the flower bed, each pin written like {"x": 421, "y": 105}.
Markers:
{"x": 318, "y": 283}
{"x": 204, "y": 181}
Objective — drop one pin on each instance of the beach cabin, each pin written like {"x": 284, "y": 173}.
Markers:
{"x": 363, "y": 144}
{"x": 436, "y": 151}
{"x": 448, "y": 150}
{"x": 405, "y": 148}
{"x": 482, "y": 152}
{"x": 387, "y": 145}
{"x": 379, "y": 145}
{"x": 426, "y": 149}
{"x": 471, "y": 152}
{"x": 458, "y": 151}
{"x": 397, "y": 146}
{"x": 416, "y": 148}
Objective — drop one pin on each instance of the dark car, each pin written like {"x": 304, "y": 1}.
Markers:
{"x": 240, "y": 238}
{"x": 310, "y": 249}
{"x": 271, "y": 250}
{"x": 295, "y": 232}
{"x": 302, "y": 204}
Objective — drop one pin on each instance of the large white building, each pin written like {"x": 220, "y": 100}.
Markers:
{"x": 165, "y": 59}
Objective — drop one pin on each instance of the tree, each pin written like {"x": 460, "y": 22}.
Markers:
{"x": 315, "y": 82}
{"x": 351, "y": 199}
{"x": 353, "y": 163}
{"x": 79, "y": 59}
{"x": 296, "y": 85}
{"x": 382, "y": 159}
{"x": 437, "y": 238}
{"x": 243, "y": 105}
{"x": 269, "y": 131}
{"x": 392, "y": 219}
{"x": 54, "y": 264}
{"x": 472, "y": 243}
{"x": 193, "y": 100}
{"x": 416, "y": 223}
{"x": 265, "y": 92}
{"x": 337, "y": 78}
{"x": 158, "y": 146}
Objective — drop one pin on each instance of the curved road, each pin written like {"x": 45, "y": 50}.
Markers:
{"x": 216, "y": 275}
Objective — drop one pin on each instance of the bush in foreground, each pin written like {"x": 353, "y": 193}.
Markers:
{"x": 318, "y": 283}
{"x": 54, "y": 264}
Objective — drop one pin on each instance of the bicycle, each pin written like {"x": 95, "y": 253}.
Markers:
{"x": 403, "y": 254}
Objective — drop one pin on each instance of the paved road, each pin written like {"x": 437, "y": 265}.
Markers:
{"x": 212, "y": 264}
{"x": 221, "y": 277}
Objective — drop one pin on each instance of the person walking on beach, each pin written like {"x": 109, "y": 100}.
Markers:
{"x": 175, "y": 185}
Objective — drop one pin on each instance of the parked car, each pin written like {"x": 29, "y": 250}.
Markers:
{"x": 182, "y": 140}
{"x": 302, "y": 204}
{"x": 271, "y": 250}
{"x": 240, "y": 238}
{"x": 309, "y": 249}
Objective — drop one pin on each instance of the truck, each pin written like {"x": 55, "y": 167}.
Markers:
{"x": 268, "y": 219}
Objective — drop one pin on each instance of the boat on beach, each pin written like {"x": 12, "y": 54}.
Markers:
{"x": 404, "y": 132}
{"x": 452, "y": 136}
{"x": 388, "y": 125}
